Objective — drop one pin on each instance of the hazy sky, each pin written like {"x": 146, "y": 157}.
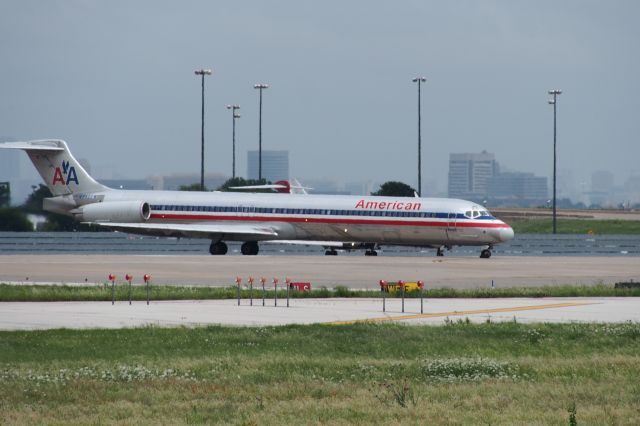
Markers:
{"x": 115, "y": 80}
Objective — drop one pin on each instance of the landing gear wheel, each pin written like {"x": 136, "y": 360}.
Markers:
{"x": 439, "y": 252}
{"x": 250, "y": 248}
{"x": 218, "y": 248}
{"x": 485, "y": 254}
{"x": 370, "y": 253}
{"x": 331, "y": 252}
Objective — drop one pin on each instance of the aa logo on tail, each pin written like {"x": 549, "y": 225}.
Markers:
{"x": 65, "y": 174}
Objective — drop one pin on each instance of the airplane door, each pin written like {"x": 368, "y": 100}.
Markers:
{"x": 451, "y": 226}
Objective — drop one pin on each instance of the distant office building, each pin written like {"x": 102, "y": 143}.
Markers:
{"x": 566, "y": 185}
{"x": 632, "y": 190}
{"x": 275, "y": 165}
{"x": 515, "y": 188}
{"x": 601, "y": 181}
{"x": 602, "y": 189}
{"x": 470, "y": 173}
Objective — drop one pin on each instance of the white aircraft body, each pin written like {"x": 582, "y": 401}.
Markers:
{"x": 333, "y": 221}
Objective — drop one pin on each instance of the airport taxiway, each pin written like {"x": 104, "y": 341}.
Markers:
{"x": 81, "y": 315}
{"x": 329, "y": 271}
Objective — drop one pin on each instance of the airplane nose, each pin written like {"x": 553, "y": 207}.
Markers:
{"x": 506, "y": 234}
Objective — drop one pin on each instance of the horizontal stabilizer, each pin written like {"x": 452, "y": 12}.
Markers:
{"x": 43, "y": 145}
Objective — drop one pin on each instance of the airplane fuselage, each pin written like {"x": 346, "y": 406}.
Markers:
{"x": 365, "y": 219}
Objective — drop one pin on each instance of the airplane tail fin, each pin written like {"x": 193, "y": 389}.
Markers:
{"x": 59, "y": 169}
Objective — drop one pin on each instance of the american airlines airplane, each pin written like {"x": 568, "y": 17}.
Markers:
{"x": 333, "y": 221}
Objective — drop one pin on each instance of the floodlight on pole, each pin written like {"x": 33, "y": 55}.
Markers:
{"x": 554, "y": 102}
{"x": 202, "y": 72}
{"x": 260, "y": 87}
{"x": 419, "y": 80}
{"x": 233, "y": 109}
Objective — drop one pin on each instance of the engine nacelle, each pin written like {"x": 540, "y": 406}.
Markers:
{"x": 114, "y": 211}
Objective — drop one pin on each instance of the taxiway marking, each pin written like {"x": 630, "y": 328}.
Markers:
{"x": 460, "y": 313}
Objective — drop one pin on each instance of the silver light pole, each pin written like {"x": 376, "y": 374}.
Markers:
{"x": 202, "y": 72}
{"x": 419, "y": 80}
{"x": 554, "y": 102}
{"x": 234, "y": 116}
{"x": 260, "y": 87}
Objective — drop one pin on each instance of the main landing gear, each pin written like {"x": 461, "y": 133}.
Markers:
{"x": 370, "y": 249}
{"x": 250, "y": 248}
{"x": 218, "y": 248}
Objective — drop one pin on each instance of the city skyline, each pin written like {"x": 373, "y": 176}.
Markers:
{"x": 115, "y": 80}
{"x": 600, "y": 187}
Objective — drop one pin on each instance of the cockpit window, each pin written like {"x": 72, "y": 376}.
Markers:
{"x": 468, "y": 214}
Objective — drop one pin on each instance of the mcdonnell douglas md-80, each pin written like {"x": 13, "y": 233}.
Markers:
{"x": 333, "y": 221}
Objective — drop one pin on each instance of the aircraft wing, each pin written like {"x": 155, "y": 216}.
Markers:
{"x": 308, "y": 243}
{"x": 211, "y": 231}
{"x": 326, "y": 244}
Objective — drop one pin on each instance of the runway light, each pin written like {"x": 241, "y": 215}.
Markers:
{"x": 250, "y": 281}
{"x": 129, "y": 278}
{"x": 238, "y": 282}
{"x": 275, "y": 291}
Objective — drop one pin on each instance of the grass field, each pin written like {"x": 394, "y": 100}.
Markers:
{"x": 459, "y": 373}
{"x": 575, "y": 226}
{"x": 63, "y": 293}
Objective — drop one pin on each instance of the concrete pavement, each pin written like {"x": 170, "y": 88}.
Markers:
{"x": 79, "y": 315}
{"x": 329, "y": 271}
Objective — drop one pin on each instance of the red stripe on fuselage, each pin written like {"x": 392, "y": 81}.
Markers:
{"x": 443, "y": 223}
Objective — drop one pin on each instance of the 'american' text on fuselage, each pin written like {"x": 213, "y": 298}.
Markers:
{"x": 386, "y": 205}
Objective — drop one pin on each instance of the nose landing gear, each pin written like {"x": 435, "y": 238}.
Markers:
{"x": 440, "y": 250}
{"x": 486, "y": 253}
